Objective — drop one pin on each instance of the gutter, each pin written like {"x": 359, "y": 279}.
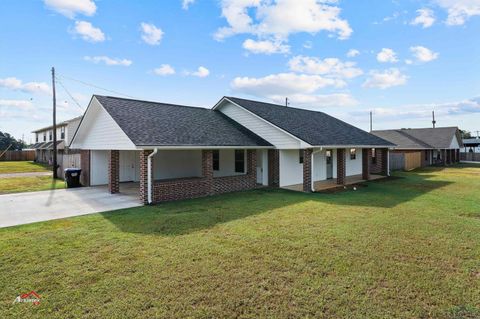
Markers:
{"x": 312, "y": 182}
{"x": 149, "y": 177}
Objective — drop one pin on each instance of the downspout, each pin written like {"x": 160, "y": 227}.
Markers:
{"x": 149, "y": 177}
{"x": 312, "y": 182}
{"x": 388, "y": 162}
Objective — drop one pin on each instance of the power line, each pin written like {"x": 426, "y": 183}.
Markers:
{"x": 96, "y": 86}
{"x": 69, "y": 94}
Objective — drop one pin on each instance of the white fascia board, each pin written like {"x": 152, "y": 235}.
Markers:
{"x": 204, "y": 147}
{"x": 356, "y": 146}
{"x": 303, "y": 144}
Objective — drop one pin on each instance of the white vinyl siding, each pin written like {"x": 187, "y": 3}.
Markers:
{"x": 454, "y": 144}
{"x": 227, "y": 164}
{"x": 320, "y": 166}
{"x": 291, "y": 171}
{"x": 353, "y": 167}
{"x": 98, "y": 168}
{"x": 98, "y": 131}
{"x": 267, "y": 131}
{"x": 177, "y": 164}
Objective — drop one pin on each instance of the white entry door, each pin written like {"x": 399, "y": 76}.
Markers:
{"x": 127, "y": 166}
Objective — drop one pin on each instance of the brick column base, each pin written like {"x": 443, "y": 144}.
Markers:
{"x": 307, "y": 170}
{"x": 366, "y": 158}
{"x": 144, "y": 175}
{"x": 273, "y": 168}
{"x": 385, "y": 161}
{"x": 114, "y": 171}
{"x": 341, "y": 166}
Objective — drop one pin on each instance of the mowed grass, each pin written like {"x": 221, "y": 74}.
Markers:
{"x": 29, "y": 184}
{"x": 22, "y": 167}
{"x": 408, "y": 247}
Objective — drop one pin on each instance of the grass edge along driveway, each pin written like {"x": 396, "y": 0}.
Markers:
{"x": 404, "y": 248}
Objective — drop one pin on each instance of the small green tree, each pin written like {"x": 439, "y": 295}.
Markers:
{"x": 6, "y": 140}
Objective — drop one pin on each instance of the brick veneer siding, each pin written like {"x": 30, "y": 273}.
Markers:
{"x": 114, "y": 171}
{"x": 85, "y": 166}
{"x": 381, "y": 164}
{"x": 186, "y": 188}
{"x": 274, "y": 168}
{"x": 144, "y": 175}
{"x": 366, "y": 159}
{"x": 307, "y": 170}
{"x": 341, "y": 166}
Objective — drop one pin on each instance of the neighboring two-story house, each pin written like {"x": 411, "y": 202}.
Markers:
{"x": 44, "y": 140}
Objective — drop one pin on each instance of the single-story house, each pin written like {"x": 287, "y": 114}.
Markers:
{"x": 176, "y": 152}
{"x": 421, "y": 147}
{"x": 471, "y": 149}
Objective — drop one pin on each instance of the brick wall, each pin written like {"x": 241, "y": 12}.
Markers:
{"x": 273, "y": 168}
{"x": 144, "y": 175}
{"x": 380, "y": 166}
{"x": 307, "y": 170}
{"x": 114, "y": 171}
{"x": 366, "y": 159}
{"x": 85, "y": 166}
{"x": 341, "y": 166}
{"x": 186, "y": 188}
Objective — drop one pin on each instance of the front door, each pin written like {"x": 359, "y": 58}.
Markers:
{"x": 328, "y": 155}
{"x": 127, "y": 166}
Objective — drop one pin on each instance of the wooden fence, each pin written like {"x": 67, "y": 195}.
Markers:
{"x": 470, "y": 156}
{"x": 17, "y": 155}
{"x": 397, "y": 161}
{"x": 67, "y": 161}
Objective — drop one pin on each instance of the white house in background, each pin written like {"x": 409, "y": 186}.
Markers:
{"x": 44, "y": 139}
{"x": 178, "y": 152}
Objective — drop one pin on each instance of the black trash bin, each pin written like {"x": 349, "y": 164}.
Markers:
{"x": 72, "y": 177}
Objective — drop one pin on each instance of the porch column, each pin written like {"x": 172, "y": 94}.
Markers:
{"x": 273, "y": 168}
{"x": 458, "y": 155}
{"x": 85, "y": 166}
{"x": 207, "y": 169}
{"x": 252, "y": 166}
{"x": 384, "y": 161}
{"x": 144, "y": 176}
{"x": 307, "y": 170}
{"x": 444, "y": 157}
{"x": 341, "y": 166}
{"x": 114, "y": 171}
{"x": 366, "y": 159}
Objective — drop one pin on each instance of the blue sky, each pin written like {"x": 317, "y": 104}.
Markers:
{"x": 401, "y": 59}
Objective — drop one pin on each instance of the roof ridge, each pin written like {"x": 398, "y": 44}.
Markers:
{"x": 277, "y": 105}
{"x": 152, "y": 102}
{"x": 413, "y": 138}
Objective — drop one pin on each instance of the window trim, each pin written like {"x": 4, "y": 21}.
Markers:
{"x": 300, "y": 156}
{"x": 374, "y": 156}
{"x": 353, "y": 154}
{"x": 238, "y": 160}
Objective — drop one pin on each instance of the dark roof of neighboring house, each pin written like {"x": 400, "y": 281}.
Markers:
{"x": 315, "y": 128}
{"x": 471, "y": 141}
{"x": 437, "y": 138}
{"x": 402, "y": 140}
{"x": 161, "y": 124}
{"x": 58, "y": 124}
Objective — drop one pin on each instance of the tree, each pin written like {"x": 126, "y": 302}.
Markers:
{"x": 465, "y": 134}
{"x": 6, "y": 140}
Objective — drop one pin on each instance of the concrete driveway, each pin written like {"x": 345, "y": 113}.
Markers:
{"x": 25, "y": 208}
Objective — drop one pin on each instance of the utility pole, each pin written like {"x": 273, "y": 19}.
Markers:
{"x": 371, "y": 121}
{"x": 433, "y": 119}
{"x": 55, "y": 175}
{"x": 286, "y": 101}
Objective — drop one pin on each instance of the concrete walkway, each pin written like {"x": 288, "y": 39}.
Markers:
{"x": 25, "y": 208}
{"x": 28, "y": 174}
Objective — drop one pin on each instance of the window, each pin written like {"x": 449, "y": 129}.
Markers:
{"x": 216, "y": 160}
{"x": 44, "y": 137}
{"x": 36, "y": 138}
{"x": 300, "y": 156}
{"x": 328, "y": 154}
{"x": 239, "y": 161}
{"x": 50, "y": 135}
{"x": 62, "y": 133}
{"x": 426, "y": 155}
{"x": 353, "y": 153}
{"x": 374, "y": 156}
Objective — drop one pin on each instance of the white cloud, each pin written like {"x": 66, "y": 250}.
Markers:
{"x": 164, "y": 69}
{"x": 70, "y": 8}
{"x": 265, "y": 47}
{"x": 283, "y": 84}
{"x": 107, "y": 60}
{"x": 330, "y": 67}
{"x": 281, "y": 18}
{"x": 187, "y": 3}
{"x": 88, "y": 32}
{"x": 459, "y": 11}
{"x": 201, "y": 72}
{"x": 20, "y": 104}
{"x": 151, "y": 34}
{"x": 423, "y": 54}
{"x": 15, "y": 84}
{"x": 383, "y": 80}
{"x": 387, "y": 55}
{"x": 425, "y": 18}
{"x": 353, "y": 53}
{"x": 308, "y": 45}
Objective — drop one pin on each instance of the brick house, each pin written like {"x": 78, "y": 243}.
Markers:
{"x": 422, "y": 147}
{"x": 176, "y": 152}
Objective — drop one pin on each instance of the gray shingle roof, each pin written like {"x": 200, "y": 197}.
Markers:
{"x": 436, "y": 138}
{"x": 403, "y": 141}
{"x": 315, "y": 128}
{"x": 471, "y": 141}
{"x": 160, "y": 124}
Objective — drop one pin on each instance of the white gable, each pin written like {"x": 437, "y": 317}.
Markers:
{"x": 454, "y": 143}
{"x": 275, "y": 136}
{"x": 99, "y": 131}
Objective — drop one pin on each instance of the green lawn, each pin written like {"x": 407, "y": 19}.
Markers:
{"x": 22, "y": 167}
{"x": 29, "y": 184}
{"x": 408, "y": 247}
